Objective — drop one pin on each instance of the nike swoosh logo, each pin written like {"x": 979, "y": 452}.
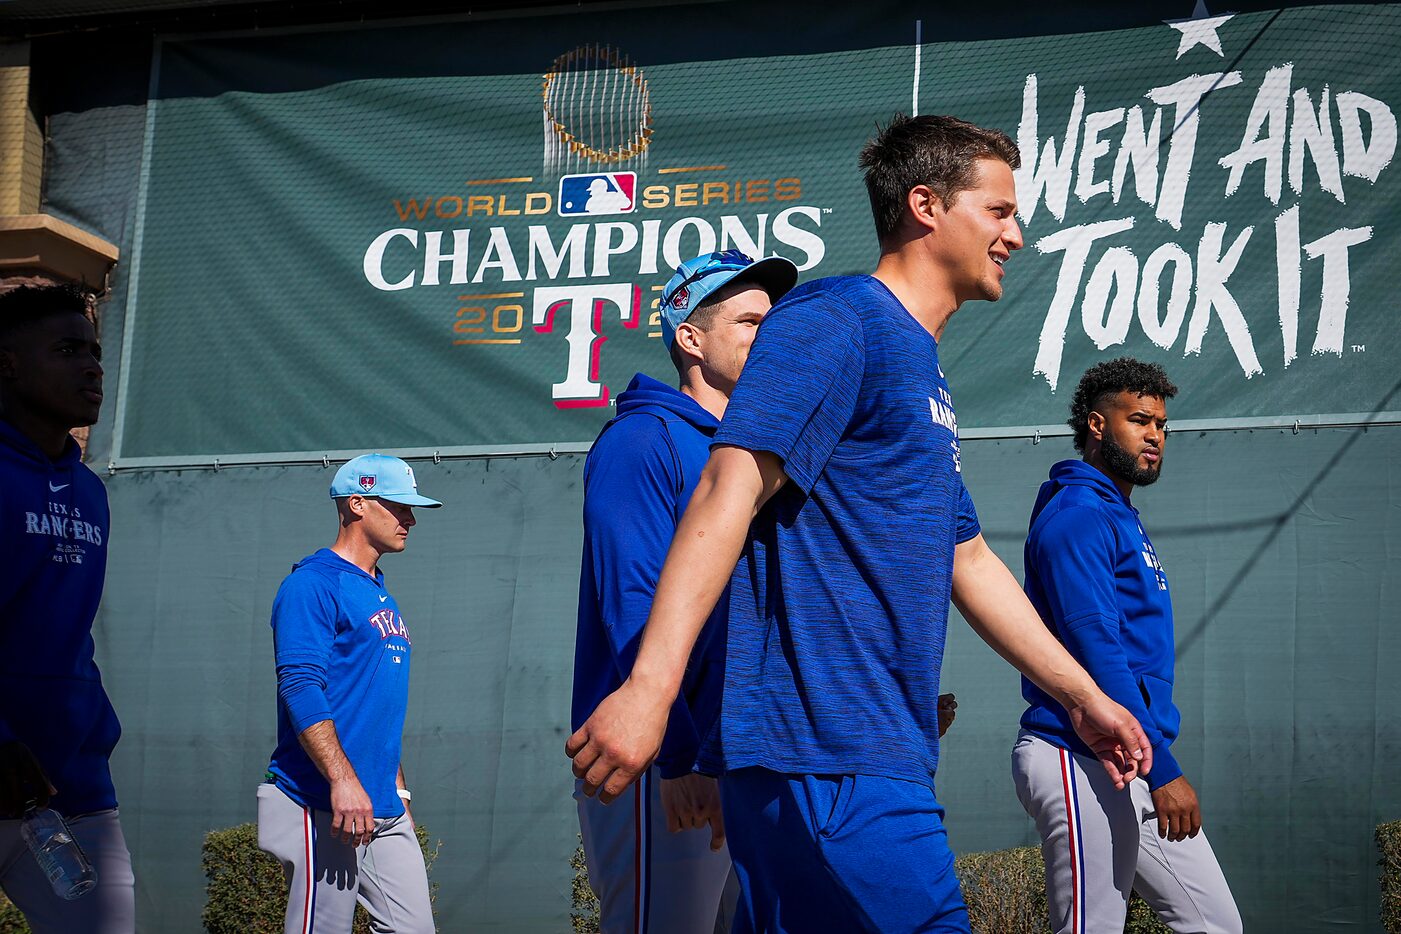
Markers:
{"x": 384, "y": 598}
{"x": 61, "y": 486}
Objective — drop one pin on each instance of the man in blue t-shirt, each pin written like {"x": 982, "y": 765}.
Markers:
{"x": 335, "y": 807}
{"x": 840, "y": 446}
{"x": 1095, "y": 578}
{"x": 638, "y": 478}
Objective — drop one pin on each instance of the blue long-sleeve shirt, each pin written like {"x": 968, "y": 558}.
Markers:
{"x": 342, "y": 650}
{"x": 638, "y": 478}
{"x": 1092, "y": 574}
{"x": 54, "y": 525}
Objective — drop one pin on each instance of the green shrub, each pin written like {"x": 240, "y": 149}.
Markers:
{"x": 247, "y": 892}
{"x": 1006, "y": 894}
{"x": 583, "y": 911}
{"x": 11, "y": 921}
{"x": 1005, "y": 891}
{"x": 1389, "y": 842}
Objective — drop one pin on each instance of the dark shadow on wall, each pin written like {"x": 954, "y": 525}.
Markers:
{"x": 345, "y": 46}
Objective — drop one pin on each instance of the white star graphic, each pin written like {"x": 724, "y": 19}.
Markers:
{"x": 1199, "y": 29}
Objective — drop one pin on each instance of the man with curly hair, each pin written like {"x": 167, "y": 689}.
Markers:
{"x": 1092, "y": 574}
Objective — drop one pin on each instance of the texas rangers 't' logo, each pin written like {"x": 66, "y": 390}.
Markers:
{"x": 367, "y": 483}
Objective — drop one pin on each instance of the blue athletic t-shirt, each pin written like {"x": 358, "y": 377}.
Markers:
{"x": 840, "y": 603}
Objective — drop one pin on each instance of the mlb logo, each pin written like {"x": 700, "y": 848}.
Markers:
{"x": 367, "y": 483}
{"x": 599, "y": 194}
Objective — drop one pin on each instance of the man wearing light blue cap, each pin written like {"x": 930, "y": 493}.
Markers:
{"x": 650, "y": 859}
{"x": 335, "y": 807}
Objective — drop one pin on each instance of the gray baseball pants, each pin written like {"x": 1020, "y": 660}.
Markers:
{"x": 1099, "y": 844}
{"x": 649, "y": 880}
{"x": 110, "y": 908}
{"x": 327, "y": 877}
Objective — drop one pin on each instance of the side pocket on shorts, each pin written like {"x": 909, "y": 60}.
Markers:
{"x": 841, "y": 803}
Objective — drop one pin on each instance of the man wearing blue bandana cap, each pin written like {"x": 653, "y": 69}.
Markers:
{"x": 334, "y": 808}
{"x": 649, "y": 857}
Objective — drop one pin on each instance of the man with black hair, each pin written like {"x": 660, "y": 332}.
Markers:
{"x": 835, "y": 483}
{"x": 1096, "y": 581}
{"x": 57, "y": 727}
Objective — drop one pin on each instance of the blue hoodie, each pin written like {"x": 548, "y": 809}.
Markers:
{"x": 638, "y": 479}
{"x": 342, "y": 652}
{"x": 1093, "y": 575}
{"x": 54, "y": 523}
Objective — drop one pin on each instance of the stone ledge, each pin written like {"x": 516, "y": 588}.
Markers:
{"x": 41, "y": 245}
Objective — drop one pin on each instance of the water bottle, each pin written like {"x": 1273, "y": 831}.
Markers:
{"x": 57, "y": 853}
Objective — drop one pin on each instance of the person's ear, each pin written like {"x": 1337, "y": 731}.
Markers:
{"x": 925, "y": 208}
{"x": 1096, "y": 423}
{"x": 689, "y": 339}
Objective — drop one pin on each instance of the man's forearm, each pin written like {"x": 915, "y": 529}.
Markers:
{"x": 708, "y": 543}
{"x": 994, "y": 604}
{"x": 352, "y": 812}
{"x": 324, "y": 747}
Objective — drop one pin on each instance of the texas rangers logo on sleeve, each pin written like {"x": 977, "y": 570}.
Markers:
{"x": 599, "y": 193}
{"x": 367, "y": 483}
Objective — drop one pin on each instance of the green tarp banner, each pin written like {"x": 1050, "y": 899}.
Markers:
{"x": 369, "y": 246}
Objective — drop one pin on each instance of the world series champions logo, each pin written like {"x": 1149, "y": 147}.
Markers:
{"x": 578, "y": 250}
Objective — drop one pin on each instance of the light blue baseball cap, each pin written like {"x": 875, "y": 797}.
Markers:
{"x": 380, "y": 476}
{"x": 699, "y": 278}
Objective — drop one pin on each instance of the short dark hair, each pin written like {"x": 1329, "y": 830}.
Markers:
{"x": 1109, "y": 378}
{"x": 27, "y": 304}
{"x": 941, "y": 152}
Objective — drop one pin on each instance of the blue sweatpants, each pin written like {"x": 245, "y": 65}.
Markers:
{"x": 849, "y": 853}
